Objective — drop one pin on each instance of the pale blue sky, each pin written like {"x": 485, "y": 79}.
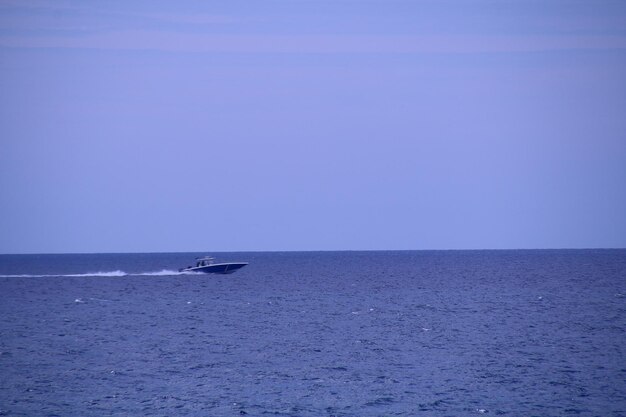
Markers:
{"x": 311, "y": 125}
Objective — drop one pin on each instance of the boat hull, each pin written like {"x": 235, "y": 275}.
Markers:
{"x": 224, "y": 268}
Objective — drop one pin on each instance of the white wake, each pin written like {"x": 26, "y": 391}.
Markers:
{"x": 117, "y": 273}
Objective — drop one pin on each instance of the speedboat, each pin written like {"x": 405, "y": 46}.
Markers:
{"x": 207, "y": 265}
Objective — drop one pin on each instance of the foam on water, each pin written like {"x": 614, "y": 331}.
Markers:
{"x": 166, "y": 272}
{"x": 117, "y": 273}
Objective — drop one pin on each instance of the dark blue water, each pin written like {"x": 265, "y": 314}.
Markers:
{"x": 451, "y": 333}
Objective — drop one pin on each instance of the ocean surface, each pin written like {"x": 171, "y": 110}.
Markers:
{"x": 407, "y": 333}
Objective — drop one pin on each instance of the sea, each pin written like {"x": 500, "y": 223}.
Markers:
{"x": 376, "y": 333}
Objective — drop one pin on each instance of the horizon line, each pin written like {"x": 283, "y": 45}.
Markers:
{"x": 319, "y": 250}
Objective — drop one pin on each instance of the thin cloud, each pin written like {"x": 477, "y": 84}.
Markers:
{"x": 317, "y": 44}
{"x": 62, "y": 17}
{"x": 198, "y": 18}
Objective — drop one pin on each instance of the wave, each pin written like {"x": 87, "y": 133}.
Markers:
{"x": 117, "y": 273}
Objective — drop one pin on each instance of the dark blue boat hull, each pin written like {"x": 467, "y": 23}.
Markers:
{"x": 225, "y": 268}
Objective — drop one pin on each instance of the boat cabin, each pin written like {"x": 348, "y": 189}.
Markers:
{"x": 207, "y": 260}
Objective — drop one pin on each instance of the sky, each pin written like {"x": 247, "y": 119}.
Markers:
{"x": 153, "y": 126}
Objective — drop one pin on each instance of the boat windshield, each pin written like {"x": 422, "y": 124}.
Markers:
{"x": 207, "y": 260}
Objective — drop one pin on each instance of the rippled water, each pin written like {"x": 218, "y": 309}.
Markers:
{"x": 451, "y": 333}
